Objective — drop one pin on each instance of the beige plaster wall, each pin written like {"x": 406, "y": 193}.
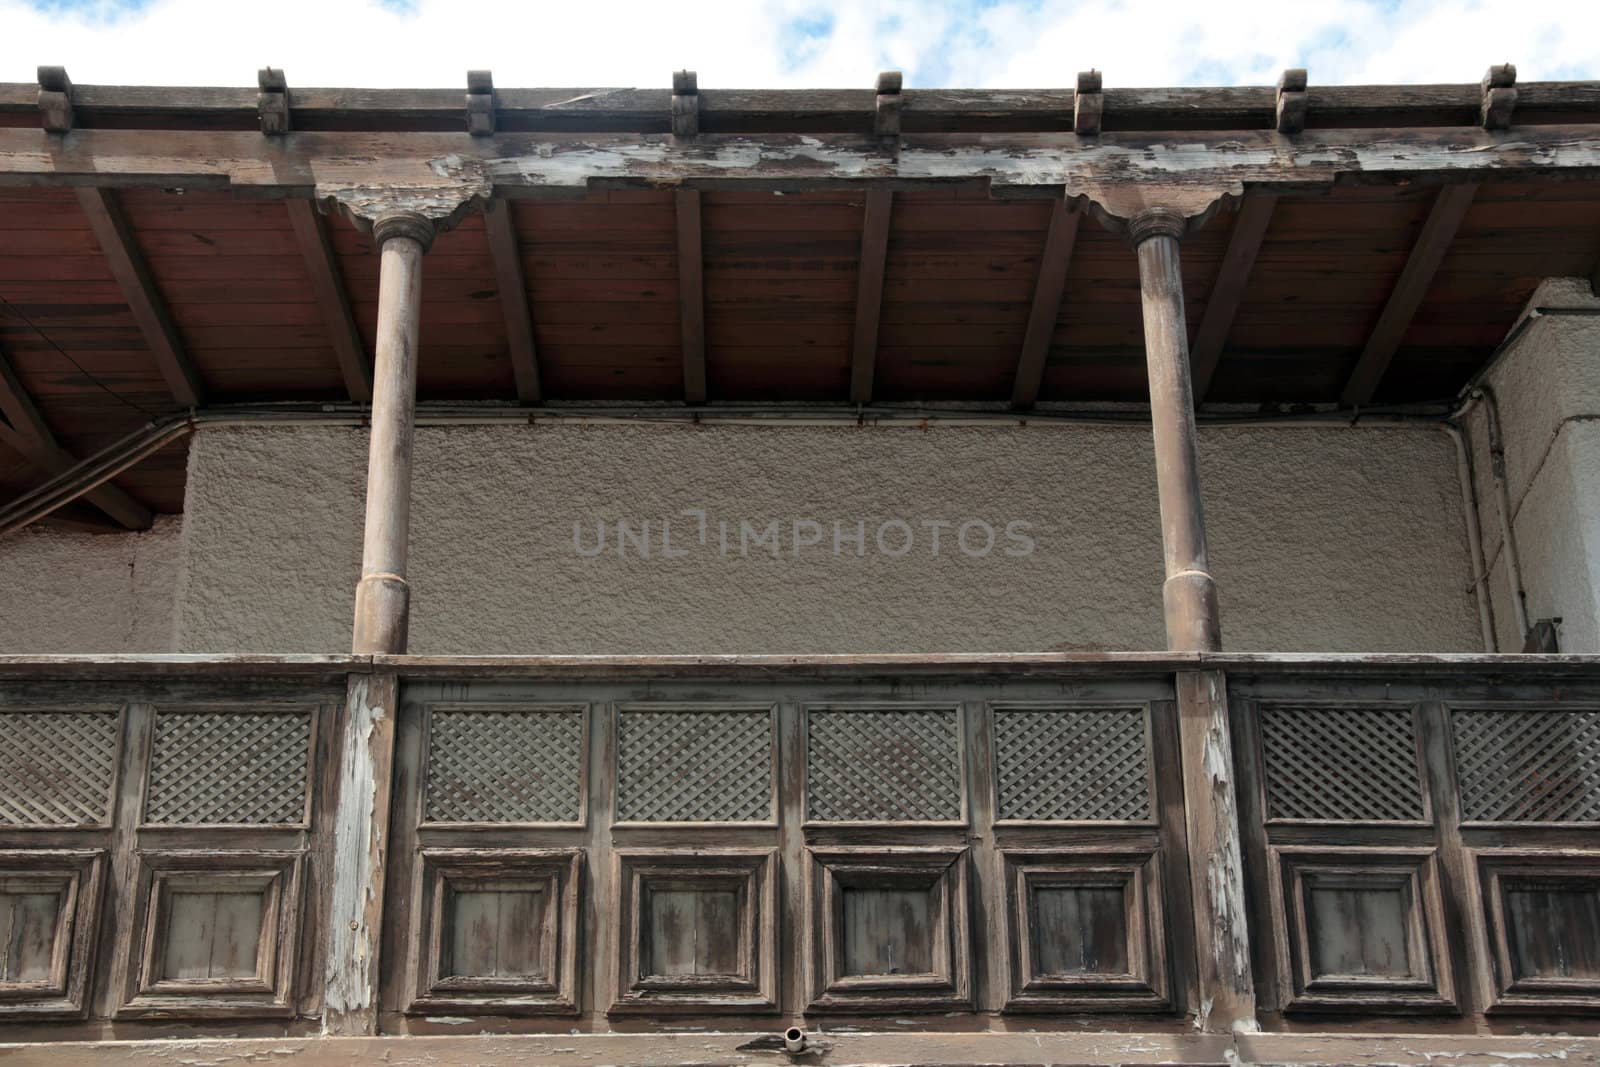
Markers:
{"x": 80, "y": 592}
{"x": 1323, "y": 539}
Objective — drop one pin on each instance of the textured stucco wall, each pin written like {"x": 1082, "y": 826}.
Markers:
{"x": 1548, "y": 389}
{"x": 78, "y": 592}
{"x": 1323, "y": 539}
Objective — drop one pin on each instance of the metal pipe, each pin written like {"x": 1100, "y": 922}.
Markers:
{"x": 1189, "y": 593}
{"x": 383, "y": 598}
{"x": 1508, "y": 537}
{"x": 1469, "y": 514}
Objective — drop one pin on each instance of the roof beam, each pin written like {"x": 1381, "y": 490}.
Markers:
{"x": 507, "y": 255}
{"x": 30, "y": 435}
{"x": 311, "y": 233}
{"x": 869, "y": 291}
{"x": 691, "y": 295}
{"x": 138, "y": 286}
{"x": 1047, "y": 293}
{"x": 1255, "y": 215}
{"x": 1449, "y": 208}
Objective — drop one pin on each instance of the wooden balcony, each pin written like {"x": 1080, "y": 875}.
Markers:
{"x": 940, "y": 859}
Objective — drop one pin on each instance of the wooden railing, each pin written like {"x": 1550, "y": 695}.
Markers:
{"x": 965, "y": 846}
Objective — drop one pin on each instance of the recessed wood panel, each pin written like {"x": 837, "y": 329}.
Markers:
{"x": 50, "y": 901}
{"x": 212, "y": 934}
{"x": 493, "y": 929}
{"x": 1540, "y": 910}
{"x": 29, "y": 918}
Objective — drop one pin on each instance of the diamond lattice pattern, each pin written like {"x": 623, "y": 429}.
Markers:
{"x": 1528, "y": 766}
{"x": 1341, "y": 764}
{"x": 229, "y": 767}
{"x": 694, "y": 766}
{"x": 56, "y": 767}
{"x": 504, "y": 766}
{"x": 883, "y": 766}
{"x": 1072, "y": 764}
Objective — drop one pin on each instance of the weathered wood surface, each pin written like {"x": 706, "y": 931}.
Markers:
{"x": 869, "y": 292}
{"x": 811, "y": 110}
{"x": 1255, "y": 215}
{"x": 322, "y": 265}
{"x": 513, "y": 292}
{"x": 1046, "y": 309}
{"x": 691, "y": 294}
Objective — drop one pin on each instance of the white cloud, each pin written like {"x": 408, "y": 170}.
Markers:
{"x": 973, "y": 43}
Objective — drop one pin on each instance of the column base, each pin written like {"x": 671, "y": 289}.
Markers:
{"x": 1190, "y": 599}
{"x": 383, "y": 614}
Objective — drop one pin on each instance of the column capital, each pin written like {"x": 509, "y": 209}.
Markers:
{"x": 1157, "y": 222}
{"x": 1140, "y": 212}
{"x": 409, "y": 224}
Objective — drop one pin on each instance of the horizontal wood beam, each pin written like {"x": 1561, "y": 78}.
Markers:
{"x": 139, "y": 289}
{"x": 869, "y": 292}
{"x": 1048, "y": 290}
{"x": 589, "y": 109}
{"x": 30, "y": 435}
{"x": 327, "y": 285}
{"x": 1255, "y": 215}
{"x": 506, "y": 252}
{"x": 1449, "y": 208}
{"x": 691, "y": 295}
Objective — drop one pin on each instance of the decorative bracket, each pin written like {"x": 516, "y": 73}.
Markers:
{"x": 273, "y": 103}
{"x": 886, "y": 114}
{"x": 685, "y": 103}
{"x": 480, "y": 103}
{"x": 55, "y": 99}
{"x": 1088, "y": 104}
{"x": 1140, "y": 212}
{"x": 1499, "y": 96}
{"x": 1291, "y": 100}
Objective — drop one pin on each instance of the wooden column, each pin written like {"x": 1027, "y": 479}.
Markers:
{"x": 1190, "y": 594}
{"x": 366, "y": 748}
{"x": 1227, "y": 996}
{"x": 383, "y": 599}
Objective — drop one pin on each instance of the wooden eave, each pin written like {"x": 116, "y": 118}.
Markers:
{"x": 975, "y": 305}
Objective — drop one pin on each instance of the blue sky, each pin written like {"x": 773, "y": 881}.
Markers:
{"x": 797, "y": 43}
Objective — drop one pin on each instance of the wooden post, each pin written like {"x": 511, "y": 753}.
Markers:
{"x": 1190, "y": 594}
{"x": 1210, "y": 799}
{"x": 383, "y": 599}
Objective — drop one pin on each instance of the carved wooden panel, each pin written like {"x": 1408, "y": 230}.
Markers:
{"x": 216, "y": 934}
{"x": 883, "y": 764}
{"x": 888, "y": 929}
{"x": 506, "y": 764}
{"x": 58, "y": 768}
{"x": 497, "y": 931}
{"x": 49, "y": 919}
{"x": 230, "y": 767}
{"x": 1084, "y": 931}
{"x": 1360, "y": 929}
{"x": 1335, "y": 763}
{"x": 697, "y": 930}
{"x": 1541, "y": 915}
{"x": 693, "y": 764}
{"x": 1067, "y": 764}
{"x": 1527, "y": 764}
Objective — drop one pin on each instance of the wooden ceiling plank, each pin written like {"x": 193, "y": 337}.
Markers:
{"x": 691, "y": 295}
{"x": 513, "y": 289}
{"x": 144, "y": 298}
{"x": 1449, "y": 208}
{"x": 31, "y": 436}
{"x": 869, "y": 291}
{"x": 1047, "y": 293}
{"x": 1255, "y": 215}
{"x": 327, "y": 285}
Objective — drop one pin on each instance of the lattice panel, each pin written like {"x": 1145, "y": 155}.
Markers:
{"x": 1528, "y": 766}
{"x": 505, "y": 765}
{"x": 229, "y": 767}
{"x": 883, "y": 765}
{"x": 56, "y": 768}
{"x": 694, "y": 766}
{"x": 1341, "y": 764}
{"x": 1072, "y": 764}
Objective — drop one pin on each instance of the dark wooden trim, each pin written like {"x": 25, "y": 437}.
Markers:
{"x": 311, "y": 233}
{"x": 30, "y": 435}
{"x": 1449, "y": 208}
{"x": 1255, "y": 215}
{"x": 139, "y": 288}
{"x": 691, "y": 295}
{"x": 1054, "y": 263}
{"x": 869, "y": 291}
{"x": 513, "y": 291}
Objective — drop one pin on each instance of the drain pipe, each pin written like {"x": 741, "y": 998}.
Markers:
{"x": 1508, "y": 537}
{"x": 1469, "y": 514}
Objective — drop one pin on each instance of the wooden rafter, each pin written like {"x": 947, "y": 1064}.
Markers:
{"x": 507, "y": 255}
{"x": 30, "y": 435}
{"x": 138, "y": 286}
{"x": 869, "y": 292}
{"x": 691, "y": 296}
{"x": 1255, "y": 214}
{"x": 1047, "y": 294}
{"x": 311, "y": 233}
{"x": 1449, "y": 208}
